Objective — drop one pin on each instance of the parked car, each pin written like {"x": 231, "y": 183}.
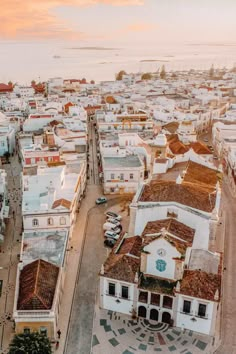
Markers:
{"x": 111, "y": 214}
{"x": 113, "y": 221}
{"x": 101, "y": 200}
{"x": 111, "y": 234}
{"x": 110, "y": 227}
{"x": 109, "y": 242}
{"x": 205, "y": 139}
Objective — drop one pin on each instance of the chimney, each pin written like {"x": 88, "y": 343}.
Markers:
{"x": 179, "y": 180}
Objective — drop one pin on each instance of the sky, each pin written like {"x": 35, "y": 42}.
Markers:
{"x": 119, "y": 21}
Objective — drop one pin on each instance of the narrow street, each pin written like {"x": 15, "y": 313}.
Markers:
{"x": 10, "y": 250}
{"x": 93, "y": 253}
{"x": 228, "y": 324}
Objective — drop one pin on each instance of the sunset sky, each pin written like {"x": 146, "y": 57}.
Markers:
{"x": 114, "y": 21}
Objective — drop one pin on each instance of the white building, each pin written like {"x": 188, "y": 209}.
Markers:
{"x": 122, "y": 174}
{"x": 51, "y": 198}
{"x": 149, "y": 277}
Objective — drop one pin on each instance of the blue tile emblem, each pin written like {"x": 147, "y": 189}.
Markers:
{"x": 160, "y": 265}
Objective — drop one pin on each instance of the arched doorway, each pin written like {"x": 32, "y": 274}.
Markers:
{"x": 142, "y": 312}
{"x": 166, "y": 317}
{"x": 154, "y": 314}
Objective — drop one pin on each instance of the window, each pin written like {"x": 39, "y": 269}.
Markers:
{"x": 112, "y": 176}
{"x": 187, "y": 306}
{"x": 124, "y": 292}
{"x": 143, "y": 296}
{"x": 35, "y": 222}
{"x": 155, "y": 299}
{"x": 50, "y": 221}
{"x": 112, "y": 289}
{"x": 167, "y": 302}
{"x": 131, "y": 176}
{"x": 27, "y": 330}
{"x": 43, "y": 330}
{"x": 122, "y": 176}
{"x": 202, "y": 310}
{"x": 62, "y": 220}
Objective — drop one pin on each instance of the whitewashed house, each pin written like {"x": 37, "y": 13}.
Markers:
{"x": 51, "y": 198}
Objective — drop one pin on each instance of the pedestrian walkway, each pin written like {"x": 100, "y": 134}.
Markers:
{"x": 10, "y": 249}
{"x": 75, "y": 249}
{"x": 115, "y": 333}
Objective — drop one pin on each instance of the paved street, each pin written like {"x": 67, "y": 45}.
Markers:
{"x": 9, "y": 251}
{"x": 229, "y": 284}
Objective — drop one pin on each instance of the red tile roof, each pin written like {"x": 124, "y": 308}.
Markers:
{"x": 173, "y": 226}
{"x": 200, "y": 284}
{"x": 61, "y": 202}
{"x": 38, "y": 281}
{"x": 121, "y": 267}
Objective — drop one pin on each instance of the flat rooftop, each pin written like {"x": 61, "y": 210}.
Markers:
{"x": 127, "y": 161}
{"x": 48, "y": 245}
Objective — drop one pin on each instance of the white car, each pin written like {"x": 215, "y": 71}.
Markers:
{"x": 108, "y": 226}
{"x": 111, "y": 234}
{"x": 113, "y": 221}
{"x": 111, "y": 214}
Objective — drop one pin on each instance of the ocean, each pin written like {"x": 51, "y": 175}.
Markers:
{"x": 25, "y": 61}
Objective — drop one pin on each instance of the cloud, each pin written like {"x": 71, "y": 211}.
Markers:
{"x": 31, "y": 19}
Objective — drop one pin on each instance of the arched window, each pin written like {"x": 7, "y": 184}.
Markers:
{"x": 35, "y": 222}
{"x": 62, "y": 220}
{"x": 154, "y": 314}
{"x": 142, "y": 311}
{"x": 166, "y": 317}
{"x": 50, "y": 221}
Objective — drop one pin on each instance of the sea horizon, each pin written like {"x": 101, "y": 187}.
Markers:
{"x": 25, "y": 61}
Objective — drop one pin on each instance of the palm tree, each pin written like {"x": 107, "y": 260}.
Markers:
{"x": 30, "y": 343}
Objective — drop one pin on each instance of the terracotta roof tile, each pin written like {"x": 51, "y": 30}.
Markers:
{"x": 38, "y": 281}
{"x": 190, "y": 194}
{"x": 121, "y": 267}
{"x": 173, "y": 226}
{"x": 197, "y": 190}
{"x": 200, "y": 284}
{"x": 131, "y": 245}
{"x": 61, "y": 202}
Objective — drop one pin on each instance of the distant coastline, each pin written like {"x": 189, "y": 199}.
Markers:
{"x": 92, "y": 48}
{"x": 153, "y": 60}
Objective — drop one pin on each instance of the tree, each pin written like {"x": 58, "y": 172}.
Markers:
{"x": 120, "y": 74}
{"x": 28, "y": 343}
{"x": 163, "y": 72}
{"x": 212, "y": 71}
{"x": 92, "y": 82}
{"x": 146, "y": 76}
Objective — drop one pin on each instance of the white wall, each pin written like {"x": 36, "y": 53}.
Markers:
{"x": 109, "y": 302}
{"x": 201, "y": 325}
{"x": 171, "y": 253}
{"x": 43, "y": 221}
